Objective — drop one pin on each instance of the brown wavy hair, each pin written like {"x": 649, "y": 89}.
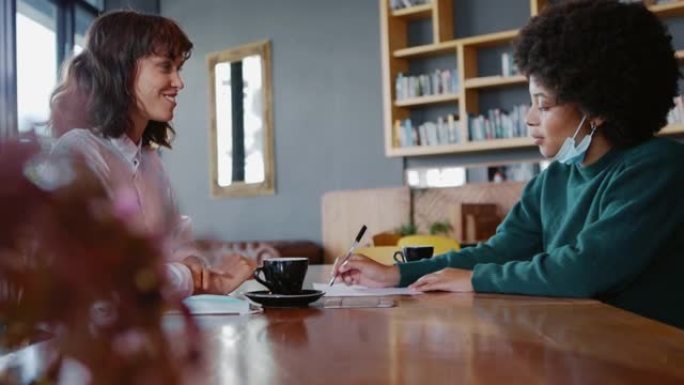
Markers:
{"x": 96, "y": 91}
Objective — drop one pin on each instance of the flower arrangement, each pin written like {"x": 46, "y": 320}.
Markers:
{"x": 71, "y": 265}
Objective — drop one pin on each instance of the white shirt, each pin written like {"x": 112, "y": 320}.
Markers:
{"x": 137, "y": 181}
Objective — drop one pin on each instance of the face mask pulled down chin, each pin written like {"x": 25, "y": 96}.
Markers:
{"x": 571, "y": 154}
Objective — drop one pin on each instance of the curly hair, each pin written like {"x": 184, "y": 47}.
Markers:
{"x": 615, "y": 60}
{"x": 97, "y": 91}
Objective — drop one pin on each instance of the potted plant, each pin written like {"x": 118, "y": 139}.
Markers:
{"x": 440, "y": 228}
{"x": 406, "y": 229}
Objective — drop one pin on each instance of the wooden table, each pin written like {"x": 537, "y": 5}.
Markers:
{"x": 446, "y": 338}
{"x": 441, "y": 338}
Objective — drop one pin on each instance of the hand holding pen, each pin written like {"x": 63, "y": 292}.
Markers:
{"x": 339, "y": 262}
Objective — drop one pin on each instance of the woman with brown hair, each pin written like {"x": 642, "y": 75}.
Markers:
{"x": 113, "y": 110}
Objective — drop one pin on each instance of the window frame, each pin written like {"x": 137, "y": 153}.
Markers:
{"x": 8, "y": 70}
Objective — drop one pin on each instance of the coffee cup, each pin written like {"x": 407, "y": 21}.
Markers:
{"x": 413, "y": 253}
{"x": 283, "y": 275}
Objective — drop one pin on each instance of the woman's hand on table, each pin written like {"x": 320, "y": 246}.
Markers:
{"x": 221, "y": 279}
{"x": 449, "y": 279}
{"x": 224, "y": 281}
{"x": 361, "y": 270}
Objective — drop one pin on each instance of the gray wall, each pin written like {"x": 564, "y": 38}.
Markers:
{"x": 147, "y": 6}
{"x": 327, "y": 105}
{"x": 327, "y": 111}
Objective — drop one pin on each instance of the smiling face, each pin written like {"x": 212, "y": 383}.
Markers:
{"x": 157, "y": 84}
{"x": 550, "y": 122}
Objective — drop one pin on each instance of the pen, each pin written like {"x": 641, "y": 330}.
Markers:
{"x": 349, "y": 253}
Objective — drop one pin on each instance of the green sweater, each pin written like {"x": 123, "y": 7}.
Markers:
{"x": 613, "y": 231}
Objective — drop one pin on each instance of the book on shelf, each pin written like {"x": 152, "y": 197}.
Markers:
{"x": 399, "y": 4}
{"x": 497, "y": 124}
{"x": 439, "y": 82}
{"x": 441, "y": 132}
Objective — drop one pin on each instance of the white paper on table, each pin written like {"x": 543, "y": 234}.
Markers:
{"x": 342, "y": 290}
{"x": 216, "y": 304}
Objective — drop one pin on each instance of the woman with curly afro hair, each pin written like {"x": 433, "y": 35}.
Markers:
{"x": 606, "y": 219}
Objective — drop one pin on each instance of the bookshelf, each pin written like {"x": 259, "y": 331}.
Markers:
{"x": 474, "y": 146}
{"x": 672, "y": 9}
{"x": 414, "y": 13}
{"x": 494, "y": 81}
{"x": 672, "y": 129}
{"x": 432, "y": 99}
{"x": 426, "y": 50}
{"x": 397, "y": 55}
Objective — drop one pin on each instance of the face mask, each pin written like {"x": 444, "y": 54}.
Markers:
{"x": 568, "y": 153}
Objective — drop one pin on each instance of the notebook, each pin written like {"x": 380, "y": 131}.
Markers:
{"x": 354, "y": 302}
{"x": 216, "y": 304}
{"x": 342, "y": 290}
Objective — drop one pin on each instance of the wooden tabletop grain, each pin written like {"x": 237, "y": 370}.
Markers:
{"x": 439, "y": 338}
{"x": 445, "y": 338}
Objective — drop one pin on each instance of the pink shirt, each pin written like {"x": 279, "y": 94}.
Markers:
{"x": 135, "y": 178}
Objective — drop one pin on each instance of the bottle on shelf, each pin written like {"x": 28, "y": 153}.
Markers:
{"x": 508, "y": 67}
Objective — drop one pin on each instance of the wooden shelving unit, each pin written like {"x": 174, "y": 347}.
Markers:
{"x": 672, "y": 129}
{"x": 396, "y": 55}
{"x": 669, "y": 9}
{"x": 414, "y": 13}
{"x": 472, "y": 146}
{"x": 483, "y": 41}
{"x": 537, "y": 6}
{"x": 498, "y": 144}
{"x": 433, "y": 99}
{"x": 489, "y": 40}
{"x": 473, "y": 82}
{"x": 494, "y": 81}
{"x": 426, "y": 50}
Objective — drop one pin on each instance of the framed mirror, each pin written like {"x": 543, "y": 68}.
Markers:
{"x": 241, "y": 137}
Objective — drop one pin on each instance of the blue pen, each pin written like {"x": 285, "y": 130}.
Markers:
{"x": 349, "y": 253}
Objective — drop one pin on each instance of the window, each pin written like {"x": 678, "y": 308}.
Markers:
{"x": 436, "y": 177}
{"x": 36, "y": 60}
{"x": 82, "y": 20}
{"x": 429, "y": 177}
{"x": 98, "y": 4}
{"x": 46, "y": 33}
